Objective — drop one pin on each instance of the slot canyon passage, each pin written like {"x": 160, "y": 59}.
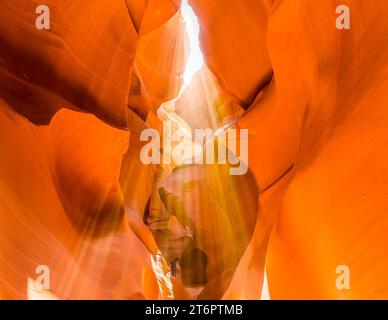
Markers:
{"x": 77, "y": 201}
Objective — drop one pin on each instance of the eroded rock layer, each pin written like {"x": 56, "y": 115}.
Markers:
{"x": 76, "y": 197}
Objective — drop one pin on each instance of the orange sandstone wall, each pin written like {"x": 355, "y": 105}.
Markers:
{"x": 74, "y": 99}
{"x": 325, "y": 116}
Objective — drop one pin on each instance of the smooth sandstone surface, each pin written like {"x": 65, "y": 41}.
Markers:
{"x": 73, "y": 191}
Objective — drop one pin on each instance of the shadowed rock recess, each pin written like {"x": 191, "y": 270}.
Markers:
{"x": 76, "y": 197}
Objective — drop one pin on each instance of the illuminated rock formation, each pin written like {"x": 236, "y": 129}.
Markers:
{"x": 76, "y": 197}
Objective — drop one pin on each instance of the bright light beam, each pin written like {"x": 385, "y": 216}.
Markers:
{"x": 194, "y": 63}
{"x": 195, "y": 60}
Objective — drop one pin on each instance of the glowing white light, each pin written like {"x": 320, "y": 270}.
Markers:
{"x": 34, "y": 293}
{"x": 195, "y": 60}
{"x": 265, "y": 295}
{"x": 163, "y": 278}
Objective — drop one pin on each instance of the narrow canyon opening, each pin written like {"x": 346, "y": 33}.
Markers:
{"x": 202, "y": 218}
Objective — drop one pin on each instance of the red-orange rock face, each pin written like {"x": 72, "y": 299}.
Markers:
{"x": 76, "y": 197}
